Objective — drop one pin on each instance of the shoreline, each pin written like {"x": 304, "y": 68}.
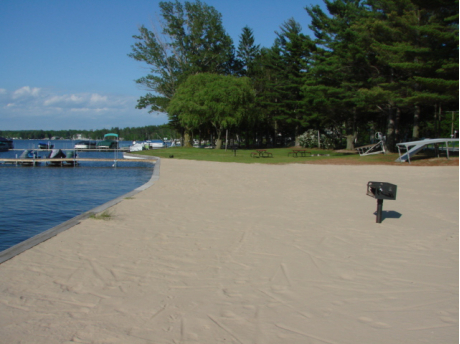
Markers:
{"x": 249, "y": 253}
{"x": 49, "y": 233}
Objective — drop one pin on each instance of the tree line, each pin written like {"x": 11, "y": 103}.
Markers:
{"x": 128, "y": 134}
{"x": 388, "y": 66}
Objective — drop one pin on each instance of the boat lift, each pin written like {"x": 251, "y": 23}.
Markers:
{"x": 116, "y": 150}
{"x": 377, "y": 148}
{"x": 414, "y": 147}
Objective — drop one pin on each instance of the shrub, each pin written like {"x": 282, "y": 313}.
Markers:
{"x": 309, "y": 139}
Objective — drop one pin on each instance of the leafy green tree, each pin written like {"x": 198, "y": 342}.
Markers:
{"x": 192, "y": 40}
{"x": 222, "y": 101}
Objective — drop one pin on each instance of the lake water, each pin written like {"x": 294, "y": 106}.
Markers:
{"x": 35, "y": 199}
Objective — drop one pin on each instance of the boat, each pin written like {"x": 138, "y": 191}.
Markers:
{"x": 132, "y": 157}
{"x": 56, "y": 154}
{"x": 29, "y": 154}
{"x": 44, "y": 145}
{"x": 156, "y": 144}
{"x": 60, "y": 154}
{"x": 108, "y": 144}
{"x": 8, "y": 142}
{"x": 72, "y": 156}
{"x": 138, "y": 146}
{"x": 4, "y": 147}
{"x": 85, "y": 144}
{"x": 69, "y": 155}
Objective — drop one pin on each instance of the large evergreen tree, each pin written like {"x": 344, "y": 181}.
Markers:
{"x": 295, "y": 51}
{"x": 280, "y": 79}
{"x": 342, "y": 66}
{"x": 398, "y": 57}
{"x": 247, "y": 53}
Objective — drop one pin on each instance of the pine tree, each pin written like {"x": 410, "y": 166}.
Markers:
{"x": 247, "y": 53}
{"x": 417, "y": 46}
{"x": 342, "y": 66}
{"x": 295, "y": 52}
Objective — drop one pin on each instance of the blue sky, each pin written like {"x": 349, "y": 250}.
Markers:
{"x": 64, "y": 63}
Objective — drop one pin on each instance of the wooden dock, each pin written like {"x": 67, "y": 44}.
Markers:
{"x": 97, "y": 150}
{"x": 69, "y": 161}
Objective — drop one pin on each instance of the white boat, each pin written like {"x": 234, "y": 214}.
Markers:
{"x": 156, "y": 144}
{"x": 133, "y": 157}
{"x": 137, "y": 146}
{"x": 108, "y": 144}
{"x": 85, "y": 144}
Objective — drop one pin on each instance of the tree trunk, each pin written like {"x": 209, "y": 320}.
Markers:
{"x": 296, "y": 135}
{"x": 416, "y": 127}
{"x": 352, "y": 134}
{"x": 219, "y": 139}
{"x": 437, "y": 121}
{"x": 350, "y": 142}
{"x": 187, "y": 138}
{"x": 390, "y": 140}
{"x": 397, "y": 124}
{"x": 182, "y": 137}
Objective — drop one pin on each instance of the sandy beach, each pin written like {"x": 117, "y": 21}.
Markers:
{"x": 249, "y": 253}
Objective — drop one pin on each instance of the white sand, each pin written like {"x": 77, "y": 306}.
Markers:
{"x": 235, "y": 253}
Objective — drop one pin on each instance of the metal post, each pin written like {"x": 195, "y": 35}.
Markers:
{"x": 379, "y": 210}
{"x": 408, "y": 155}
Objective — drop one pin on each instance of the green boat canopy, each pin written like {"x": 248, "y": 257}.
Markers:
{"x": 111, "y": 134}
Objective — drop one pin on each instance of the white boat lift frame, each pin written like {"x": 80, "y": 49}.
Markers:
{"x": 414, "y": 147}
{"x": 376, "y": 148}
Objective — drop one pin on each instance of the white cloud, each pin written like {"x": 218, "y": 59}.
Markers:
{"x": 26, "y": 91}
{"x": 97, "y": 98}
{"x": 37, "y": 108}
{"x": 67, "y": 100}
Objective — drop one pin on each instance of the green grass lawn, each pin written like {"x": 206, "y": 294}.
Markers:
{"x": 280, "y": 156}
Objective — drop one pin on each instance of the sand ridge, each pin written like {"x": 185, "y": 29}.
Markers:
{"x": 237, "y": 253}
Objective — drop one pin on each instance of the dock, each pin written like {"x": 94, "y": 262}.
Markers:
{"x": 64, "y": 161}
{"x": 122, "y": 149}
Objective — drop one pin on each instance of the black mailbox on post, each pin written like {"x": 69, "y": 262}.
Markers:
{"x": 381, "y": 191}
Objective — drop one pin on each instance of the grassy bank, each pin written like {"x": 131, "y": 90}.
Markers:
{"x": 280, "y": 156}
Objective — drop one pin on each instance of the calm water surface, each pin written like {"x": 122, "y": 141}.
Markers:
{"x": 35, "y": 199}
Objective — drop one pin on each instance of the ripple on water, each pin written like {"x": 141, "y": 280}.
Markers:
{"x": 35, "y": 199}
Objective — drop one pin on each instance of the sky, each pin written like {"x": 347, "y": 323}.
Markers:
{"x": 64, "y": 63}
